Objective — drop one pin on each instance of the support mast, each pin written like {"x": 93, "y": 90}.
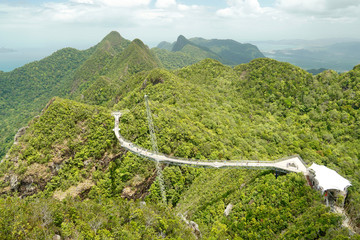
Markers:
{"x": 155, "y": 149}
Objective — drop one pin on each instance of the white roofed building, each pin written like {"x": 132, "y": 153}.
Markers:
{"x": 328, "y": 181}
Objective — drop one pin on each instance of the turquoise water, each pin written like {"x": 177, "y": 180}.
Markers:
{"x": 11, "y": 60}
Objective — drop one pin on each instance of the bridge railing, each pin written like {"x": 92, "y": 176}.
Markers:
{"x": 199, "y": 162}
{"x": 190, "y": 159}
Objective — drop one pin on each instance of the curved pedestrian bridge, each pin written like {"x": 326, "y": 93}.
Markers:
{"x": 289, "y": 164}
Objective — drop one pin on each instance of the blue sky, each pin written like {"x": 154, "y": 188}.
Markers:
{"x": 83, "y": 23}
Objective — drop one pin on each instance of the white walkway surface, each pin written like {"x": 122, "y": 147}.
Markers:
{"x": 290, "y": 164}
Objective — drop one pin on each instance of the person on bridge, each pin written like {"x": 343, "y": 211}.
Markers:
{"x": 326, "y": 198}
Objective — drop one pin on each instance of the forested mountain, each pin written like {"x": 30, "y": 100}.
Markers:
{"x": 184, "y": 52}
{"x": 316, "y": 71}
{"x": 25, "y": 90}
{"x": 76, "y": 181}
{"x": 231, "y": 51}
{"x": 105, "y": 51}
{"x": 91, "y": 76}
{"x": 105, "y": 82}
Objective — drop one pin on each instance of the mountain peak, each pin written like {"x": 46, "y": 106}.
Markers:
{"x": 113, "y": 36}
{"x": 138, "y": 42}
{"x": 113, "y": 42}
{"x": 180, "y": 43}
{"x": 181, "y": 38}
{"x": 136, "y": 57}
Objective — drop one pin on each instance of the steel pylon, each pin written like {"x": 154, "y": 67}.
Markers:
{"x": 155, "y": 149}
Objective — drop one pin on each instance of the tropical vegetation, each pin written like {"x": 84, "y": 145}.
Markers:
{"x": 67, "y": 175}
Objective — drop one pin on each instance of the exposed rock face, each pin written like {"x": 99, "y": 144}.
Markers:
{"x": 193, "y": 225}
{"x": 195, "y": 229}
{"x": 128, "y": 193}
{"x": 14, "y": 184}
{"x": 155, "y": 77}
{"x": 228, "y": 209}
{"x": 139, "y": 189}
{"x": 20, "y": 132}
{"x": 74, "y": 191}
{"x": 34, "y": 179}
{"x": 56, "y": 237}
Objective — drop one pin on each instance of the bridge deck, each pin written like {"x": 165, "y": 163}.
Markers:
{"x": 290, "y": 164}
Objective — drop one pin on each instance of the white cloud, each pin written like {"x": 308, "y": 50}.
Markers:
{"x": 172, "y": 5}
{"x": 320, "y": 8}
{"x": 241, "y": 8}
{"x": 114, "y": 3}
{"x": 63, "y": 12}
{"x": 336, "y": 4}
{"x": 83, "y": 1}
{"x": 286, "y": 9}
{"x": 124, "y": 3}
{"x": 183, "y": 7}
{"x": 165, "y": 3}
{"x": 316, "y": 5}
{"x": 93, "y": 11}
{"x": 89, "y": 20}
{"x": 156, "y": 18}
{"x": 303, "y": 5}
{"x": 128, "y": 13}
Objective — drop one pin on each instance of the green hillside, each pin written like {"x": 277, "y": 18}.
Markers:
{"x": 182, "y": 53}
{"x": 92, "y": 76}
{"x": 173, "y": 60}
{"x": 165, "y": 45}
{"x": 106, "y": 83}
{"x": 74, "y": 179}
{"x": 104, "y": 53}
{"x": 25, "y": 90}
{"x": 231, "y": 51}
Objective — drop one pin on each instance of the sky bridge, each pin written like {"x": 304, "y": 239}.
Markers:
{"x": 328, "y": 181}
{"x": 289, "y": 164}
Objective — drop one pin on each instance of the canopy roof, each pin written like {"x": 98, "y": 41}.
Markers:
{"x": 328, "y": 178}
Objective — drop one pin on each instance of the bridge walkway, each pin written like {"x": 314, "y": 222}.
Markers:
{"x": 289, "y": 164}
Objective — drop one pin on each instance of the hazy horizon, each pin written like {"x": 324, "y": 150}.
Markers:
{"x": 11, "y": 59}
{"x": 55, "y": 24}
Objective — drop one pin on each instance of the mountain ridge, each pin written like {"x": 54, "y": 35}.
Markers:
{"x": 228, "y": 51}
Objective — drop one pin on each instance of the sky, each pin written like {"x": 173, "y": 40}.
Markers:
{"x": 82, "y": 23}
{"x": 39, "y": 24}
